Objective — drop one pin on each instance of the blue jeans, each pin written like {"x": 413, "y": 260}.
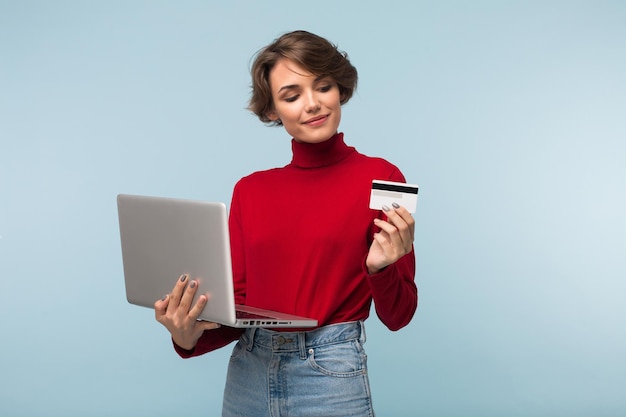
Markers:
{"x": 322, "y": 372}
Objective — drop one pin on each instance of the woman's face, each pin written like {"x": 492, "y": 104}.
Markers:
{"x": 308, "y": 105}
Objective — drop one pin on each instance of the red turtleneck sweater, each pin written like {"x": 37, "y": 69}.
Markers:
{"x": 300, "y": 235}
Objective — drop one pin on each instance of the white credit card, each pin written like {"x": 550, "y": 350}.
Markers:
{"x": 385, "y": 193}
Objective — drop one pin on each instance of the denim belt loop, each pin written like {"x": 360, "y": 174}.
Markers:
{"x": 362, "y": 337}
{"x": 302, "y": 344}
{"x": 251, "y": 333}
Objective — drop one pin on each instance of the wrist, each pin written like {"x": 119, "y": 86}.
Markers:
{"x": 184, "y": 346}
{"x": 373, "y": 270}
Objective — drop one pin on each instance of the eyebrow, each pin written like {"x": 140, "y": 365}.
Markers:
{"x": 294, "y": 86}
{"x": 288, "y": 87}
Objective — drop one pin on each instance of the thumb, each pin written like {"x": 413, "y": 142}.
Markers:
{"x": 208, "y": 325}
{"x": 160, "y": 306}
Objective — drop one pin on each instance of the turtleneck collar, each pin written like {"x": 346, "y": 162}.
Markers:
{"x": 316, "y": 155}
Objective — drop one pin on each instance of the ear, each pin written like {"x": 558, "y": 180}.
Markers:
{"x": 342, "y": 96}
{"x": 272, "y": 115}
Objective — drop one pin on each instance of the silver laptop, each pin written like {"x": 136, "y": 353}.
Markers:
{"x": 163, "y": 238}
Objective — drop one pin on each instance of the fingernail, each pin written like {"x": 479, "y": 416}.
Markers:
{"x": 183, "y": 277}
{"x": 164, "y": 297}
{"x": 395, "y": 205}
{"x": 193, "y": 284}
{"x": 385, "y": 208}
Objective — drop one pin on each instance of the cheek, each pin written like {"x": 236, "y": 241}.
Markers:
{"x": 288, "y": 114}
{"x": 334, "y": 99}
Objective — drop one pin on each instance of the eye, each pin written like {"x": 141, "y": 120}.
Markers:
{"x": 326, "y": 88}
{"x": 291, "y": 99}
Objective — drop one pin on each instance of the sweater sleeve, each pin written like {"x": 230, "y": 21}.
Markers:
{"x": 394, "y": 292}
{"x": 209, "y": 341}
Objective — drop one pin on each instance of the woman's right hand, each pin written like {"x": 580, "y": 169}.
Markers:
{"x": 180, "y": 318}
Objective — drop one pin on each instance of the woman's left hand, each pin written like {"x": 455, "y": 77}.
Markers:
{"x": 394, "y": 240}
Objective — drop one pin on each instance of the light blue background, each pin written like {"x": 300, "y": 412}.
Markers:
{"x": 510, "y": 116}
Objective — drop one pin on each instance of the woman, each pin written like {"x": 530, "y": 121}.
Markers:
{"x": 304, "y": 242}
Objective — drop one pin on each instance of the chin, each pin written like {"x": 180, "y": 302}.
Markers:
{"x": 318, "y": 136}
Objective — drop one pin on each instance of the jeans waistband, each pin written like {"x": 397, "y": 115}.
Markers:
{"x": 301, "y": 341}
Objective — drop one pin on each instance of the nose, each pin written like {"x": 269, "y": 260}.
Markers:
{"x": 312, "y": 104}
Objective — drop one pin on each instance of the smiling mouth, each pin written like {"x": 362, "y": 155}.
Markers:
{"x": 316, "y": 120}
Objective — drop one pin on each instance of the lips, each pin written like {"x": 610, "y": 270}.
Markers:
{"x": 317, "y": 120}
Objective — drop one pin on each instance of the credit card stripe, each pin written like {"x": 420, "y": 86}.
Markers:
{"x": 394, "y": 187}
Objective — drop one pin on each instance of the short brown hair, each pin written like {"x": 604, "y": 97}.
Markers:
{"x": 311, "y": 52}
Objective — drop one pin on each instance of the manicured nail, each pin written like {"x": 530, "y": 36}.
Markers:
{"x": 193, "y": 284}
{"x": 395, "y": 205}
{"x": 385, "y": 208}
{"x": 183, "y": 277}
